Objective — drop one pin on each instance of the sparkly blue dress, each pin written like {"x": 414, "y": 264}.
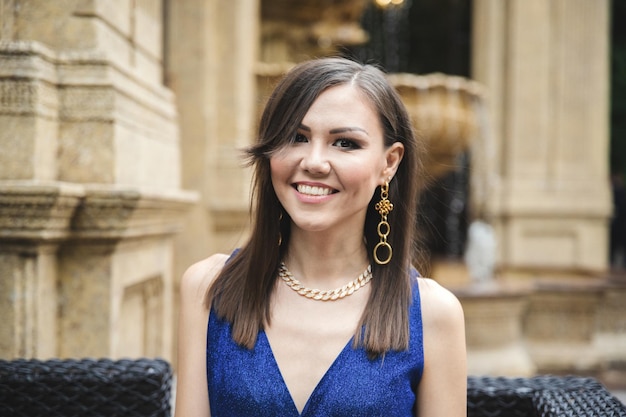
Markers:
{"x": 247, "y": 382}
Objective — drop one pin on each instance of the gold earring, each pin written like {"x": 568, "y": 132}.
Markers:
{"x": 384, "y": 206}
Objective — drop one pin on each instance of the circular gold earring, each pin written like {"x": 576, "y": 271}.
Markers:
{"x": 384, "y": 207}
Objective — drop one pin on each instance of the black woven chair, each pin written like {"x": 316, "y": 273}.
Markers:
{"x": 85, "y": 387}
{"x": 541, "y": 396}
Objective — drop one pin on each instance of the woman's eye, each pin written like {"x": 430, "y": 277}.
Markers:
{"x": 346, "y": 143}
{"x": 299, "y": 138}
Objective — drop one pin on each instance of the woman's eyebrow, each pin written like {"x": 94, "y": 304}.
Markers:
{"x": 336, "y": 130}
{"x": 304, "y": 127}
{"x": 348, "y": 129}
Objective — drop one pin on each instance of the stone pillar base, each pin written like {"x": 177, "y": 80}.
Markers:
{"x": 560, "y": 326}
{"x": 87, "y": 270}
{"x": 493, "y": 318}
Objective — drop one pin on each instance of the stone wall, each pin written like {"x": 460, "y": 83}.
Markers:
{"x": 549, "y": 326}
{"x": 540, "y": 177}
{"x": 90, "y": 180}
{"x": 212, "y": 49}
{"x": 545, "y": 165}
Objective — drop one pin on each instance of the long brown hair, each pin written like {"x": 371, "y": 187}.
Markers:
{"x": 241, "y": 292}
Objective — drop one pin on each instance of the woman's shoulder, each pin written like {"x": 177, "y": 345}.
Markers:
{"x": 199, "y": 276}
{"x": 439, "y": 305}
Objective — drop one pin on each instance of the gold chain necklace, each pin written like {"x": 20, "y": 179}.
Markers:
{"x": 324, "y": 295}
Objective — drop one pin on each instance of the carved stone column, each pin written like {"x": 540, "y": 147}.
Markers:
{"x": 116, "y": 274}
{"x": 33, "y": 220}
{"x": 212, "y": 51}
{"x": 543, "y": 164}
{"x": 545, "y": 64}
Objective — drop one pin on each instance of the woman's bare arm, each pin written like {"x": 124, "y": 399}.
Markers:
{"x": 192, "y": 398}
{"x": 443, "y": 388}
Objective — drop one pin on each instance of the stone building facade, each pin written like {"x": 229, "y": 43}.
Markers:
{"x": 544, "y": 169}
{"x": 119, "y": 128}
{"x": 90, "y": 180}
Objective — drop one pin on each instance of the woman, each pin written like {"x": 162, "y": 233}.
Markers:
{"x": 336, "y": 168}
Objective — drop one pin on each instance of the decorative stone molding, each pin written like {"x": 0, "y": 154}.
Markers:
{"x": 37, "y": 212}
{"x": 27, "y": 60}
{"x": 106, "y": 123}
{"x": 493, "y": 326}
{"x": 64, "y": 253}
{"x": 60, "y": 211}
{"x": 561, "y": 324}
{"x": 569, "y": 325}
{"x": 116, "y": 213}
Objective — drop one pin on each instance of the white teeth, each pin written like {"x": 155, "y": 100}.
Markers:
{"x": 307, "y": 189}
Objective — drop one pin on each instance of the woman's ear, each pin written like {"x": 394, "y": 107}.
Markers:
{"x": 393, "y": 157}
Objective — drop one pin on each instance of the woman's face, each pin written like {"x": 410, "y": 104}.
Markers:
{"x": 327, "y": 175}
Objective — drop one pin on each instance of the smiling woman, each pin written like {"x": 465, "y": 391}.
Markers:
{"x": 309, "y": 318}
{"x": 326, "y": 177}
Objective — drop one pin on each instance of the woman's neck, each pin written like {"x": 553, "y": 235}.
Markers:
{"x": 319, "y": 258}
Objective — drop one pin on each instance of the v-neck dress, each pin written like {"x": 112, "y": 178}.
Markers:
{"x": 247, "y": 382}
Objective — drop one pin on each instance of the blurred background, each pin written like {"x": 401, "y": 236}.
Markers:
{"x": 121, "y": 124}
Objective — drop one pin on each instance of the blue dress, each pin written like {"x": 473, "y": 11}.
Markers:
{"x": 247, "y": 382}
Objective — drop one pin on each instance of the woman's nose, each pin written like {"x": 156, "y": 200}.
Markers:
{"x": 315, "y": 160}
